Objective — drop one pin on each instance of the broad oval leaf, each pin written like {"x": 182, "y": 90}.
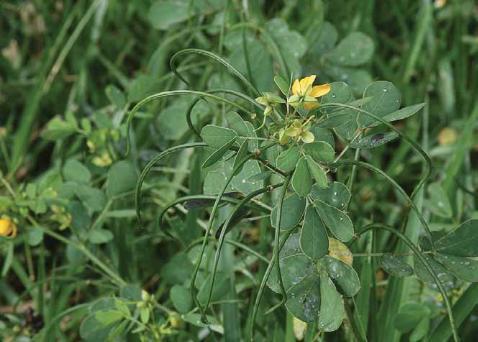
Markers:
{"x": 463, "y": 268}
{"x": 438, "y": 202}
{"x": 337, "y": 221}
{"x": 218, "y": 154}
{"x": 332, "y": 311}
{"x": 320, "y": 151}
{"x": 317, "y": 172}
{"x": 355, "y": 49}
{"x": 374, "y": 140}
{"x": 463, "y": 241}
{"x": 400, "y": 114}
{"x": 395, "y": 265}
{"x": 295, "y": 266}
{"x": 292, "y": 210}
{"x": 313, "y": 237}
{"x": 287, "y": 160}
{"x": 343, "y": 275}
{"x": 216, "y": 136}
{"x": 384, "y": 99}
{"x": 301, "y": 179}
{"x": 303, "y": 299}
{"x": 336, "y": 194}
{"x": 445, "y": 277}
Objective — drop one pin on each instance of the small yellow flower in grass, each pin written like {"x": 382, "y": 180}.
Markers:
{"x": 303, "y": 91}
{"x": 8, "y": 229}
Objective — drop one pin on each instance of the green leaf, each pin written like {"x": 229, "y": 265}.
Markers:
{"x": 115, "y": 96}
{"x": 410, "y": 315}
{"x": 438, "y": 202}
{"x": 355, "y": 49}
{"x": 107, "y": 317}
{"x": 172, "y": 123}
{"x": 303, "y": 298}
{"x": 320, "y": 151}
{"x": 221, "y": 287}
{"x": 314, "y": 241}
{"x": 445, "y": 277}
{"x": 384, "y": 99}
{"x": 343, "y": 275}
{"x": 357, "y": 79}
{"x": 181, "y": 298}
{"x": 395, "y": 266}
{"x": 292, "y": 211}
{"x": 325, "y": 41}
{"x": 291, "y": 44}
{"x": 336, "y": 194}
{"x": 216, "y": 136}
{"x": 332, "y": 311}
{"x": 92, "y": 198}
{"x": 301, "y": 179}
{"x": 260, "y": 61}
{"x": 462, "y": 241}
{"x": 165, "y": 13}
{"x": 93, "y": 330}
{"x": 294, "y": 264}
{"x": 342, "y": 120}
{"x": 300, "y": 279}
{"x": 75, "y": 171}
{"x": 282, "y": 84}
{"x": 337, "y": 221}
{"x": 374, "y": 140}
{"x": 218, "y": 154}
{"x": 400, "y": 114}
{"x": 241, "y": 155}
{"x": 243, "y": 182}
{"x": 287, "y": 160}
{"x": 99, "y": 236}
{"x": 35, "y": 236}
{"x": 317, "y": 173}
{"x": 244, "y": 129}
{"x": 57, "y": 128}
{"x": 121, "y": 178}
{"x": 421, "y": 330}
{"x": 463, "y": 268}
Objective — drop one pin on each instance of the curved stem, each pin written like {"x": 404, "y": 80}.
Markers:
{"x": 214, "y": 91}
{"x": 396, "y": 186}
{"x": 230, "y": 200}
{"x": 427, "y": 265}
{"x": 157, "y": 96}
{"x": 215, "y": 57}
{"x": 225, "y": 229}
{"x": 208, "y": 232}
{"x": 233, "y": 243}
{"x": 150, "y": 165}
{"x": 274, "y": 260}
{"x": 415, "y": 146}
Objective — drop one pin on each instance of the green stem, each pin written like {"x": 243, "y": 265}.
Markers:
{"x": 427, "y": 265}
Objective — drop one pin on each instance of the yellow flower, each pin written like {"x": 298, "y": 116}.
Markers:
{"x": 7, "y": 228}
{"x": 304, "y": 90}
{"x": 297, "y": 130}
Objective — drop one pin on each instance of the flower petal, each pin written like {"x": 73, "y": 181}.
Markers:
{"x": 311, "y": 105}
{"x": 306, "y": 83}
{"x": 320, "y": 90}
{"x": 296, "y": 87}
{"x": 293, "y": 132}
{"x": 307, "y": 137}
